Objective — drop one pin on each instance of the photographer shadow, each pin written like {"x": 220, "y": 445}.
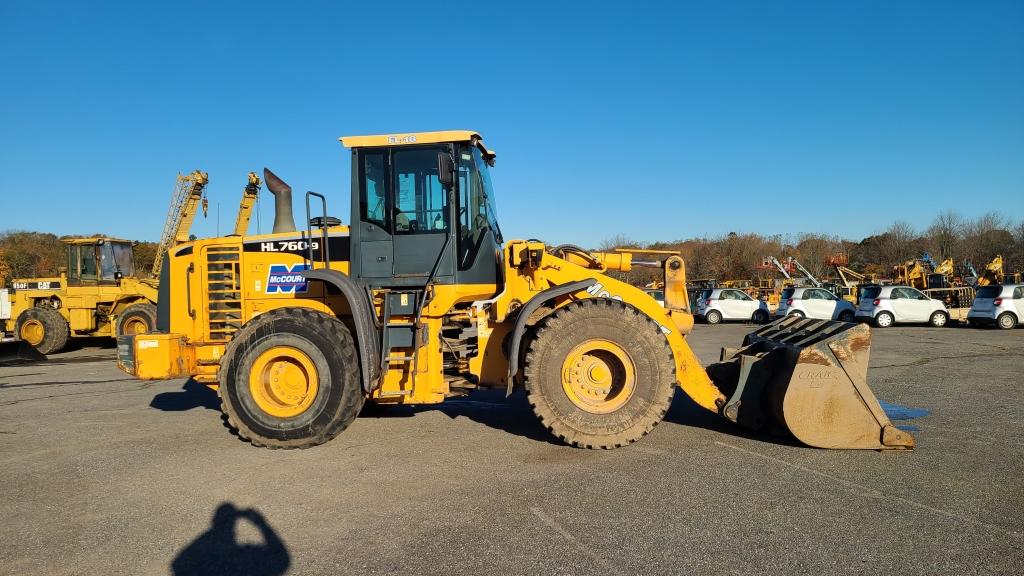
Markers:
{"x": 218, "y": 551}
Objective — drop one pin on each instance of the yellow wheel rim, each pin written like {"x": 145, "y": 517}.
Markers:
{"x": 32, "y": 331}
{"x": 598, "y": 376}
{"x": 135, "y": 325}
{"x": 283, "y": 382}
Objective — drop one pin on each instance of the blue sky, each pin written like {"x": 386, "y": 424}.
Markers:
{"x": 659, "y": 121}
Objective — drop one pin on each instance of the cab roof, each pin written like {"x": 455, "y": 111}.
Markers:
{"x": 93, "y": 240}
{"x": 413, "y": 138}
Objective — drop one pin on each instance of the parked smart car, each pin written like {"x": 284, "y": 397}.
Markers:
{"x": 657, "y": 294}
{"x": 814, "y": 303}
{"x": 720, "y": 304}
{"x": 999, "y": 305}
{"x": 887, "y": 305}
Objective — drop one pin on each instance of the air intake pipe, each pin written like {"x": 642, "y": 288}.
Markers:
{"x": 283, "y": 219}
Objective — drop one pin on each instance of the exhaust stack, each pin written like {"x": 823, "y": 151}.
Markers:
{"x": 283, "y": 219}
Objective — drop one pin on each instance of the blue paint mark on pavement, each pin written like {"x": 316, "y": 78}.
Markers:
{"x": 897, "y": 412}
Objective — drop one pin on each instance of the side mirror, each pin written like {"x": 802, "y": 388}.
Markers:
{"x": 445, "y": 169}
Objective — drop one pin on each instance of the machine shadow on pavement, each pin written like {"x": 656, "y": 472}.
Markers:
{"x": 685, "y": 412}
{"x": 218, "y": 551}
{"x": 488, "y": 407}
{"x": 192, "y": 395}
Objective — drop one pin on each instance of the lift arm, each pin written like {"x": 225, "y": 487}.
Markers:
{"x": 249, "y": 196}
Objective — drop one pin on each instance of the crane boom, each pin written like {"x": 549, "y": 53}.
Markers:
{"x": 775, "y": 262}
{"x": 810, "y": 277}
{"x": 849, "y": 277}
{"x": 185, "y": 200}
{"x": 249, "y": 196}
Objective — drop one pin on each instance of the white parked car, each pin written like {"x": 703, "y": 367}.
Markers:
{"x": 720, "y": 304}
{"x": 887, "y": 305}
{"x": 657, "y": 294}
{"x": 999, "y": 305}
{"x": 814, "y": 303}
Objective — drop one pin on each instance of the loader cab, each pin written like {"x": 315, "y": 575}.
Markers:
{"x": 409, "y": 219}
{"x": 99, "y": 261}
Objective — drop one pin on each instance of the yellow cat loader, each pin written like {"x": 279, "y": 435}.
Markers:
{"x": 97, "y": 294}
{"x": 419, "y": 299}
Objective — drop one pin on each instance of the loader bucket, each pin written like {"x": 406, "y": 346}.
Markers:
{"x": 808, "y": 378}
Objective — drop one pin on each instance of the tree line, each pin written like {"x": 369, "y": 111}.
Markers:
{"x": 731, "y": 256}
{"x": 736, "y": 256}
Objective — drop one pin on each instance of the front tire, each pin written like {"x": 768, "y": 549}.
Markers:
{"x": 599, "y": 374}
{"x": 884, "y": 320}
{"x": 1006, "y": 321}
{"x": 136, "y": 319}
{"x": 938, "y": 319}
{"x": 291, "y": 379}
{"x": 797, "y": 313}
{"x": 713, "y": 317}
{"x": 43, "y": 328}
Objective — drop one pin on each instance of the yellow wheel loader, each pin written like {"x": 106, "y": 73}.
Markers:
{"x": 419, "y": 299}
{"x": 97, "y": 294}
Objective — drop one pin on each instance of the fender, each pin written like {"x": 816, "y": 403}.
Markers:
{"x": 367, "y": 339}
{"x": 524, "y": 314}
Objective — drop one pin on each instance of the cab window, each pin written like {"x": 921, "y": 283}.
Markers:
{"x": 72, "y": 261}
{"x": 87, "y": 256}
{"x": 421, "y": 205}
{"x": 108, "y": 268}
{"x": 476, "y": 206}
{"x": 1018, "y": 293}
{"x": 373, "y": 203}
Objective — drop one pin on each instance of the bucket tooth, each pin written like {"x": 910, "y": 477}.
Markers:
{"x": 808, "y": 377}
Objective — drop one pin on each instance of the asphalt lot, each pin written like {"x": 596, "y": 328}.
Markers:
{"x": 104, "y": 474}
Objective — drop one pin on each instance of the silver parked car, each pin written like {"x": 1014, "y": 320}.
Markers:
{"x": 815, "y": 303}
{"x": 720, "y": 304}
{"x": 999, "y": 305}
{"x": 887, "y": 305}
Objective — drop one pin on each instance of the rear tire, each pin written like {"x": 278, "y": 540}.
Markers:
{"x": 938, "y": 319}
{"x": 136, "y": 319}
{"x": 713, "y": 317}
{"x": 1006, "y": 321}
{"x": 43, "y": 328}
{"x": 760, "y": 317}
{"x": 846, "y": 316}
{"x": 599, "y": 374}
{"x": 291, "y": 379}
{"x": 884, "y": 320}
{"x": 797, "y": 313}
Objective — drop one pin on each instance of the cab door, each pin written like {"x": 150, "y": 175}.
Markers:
{"x": 372, "y": 246}
{"x": 421, "y": 217}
